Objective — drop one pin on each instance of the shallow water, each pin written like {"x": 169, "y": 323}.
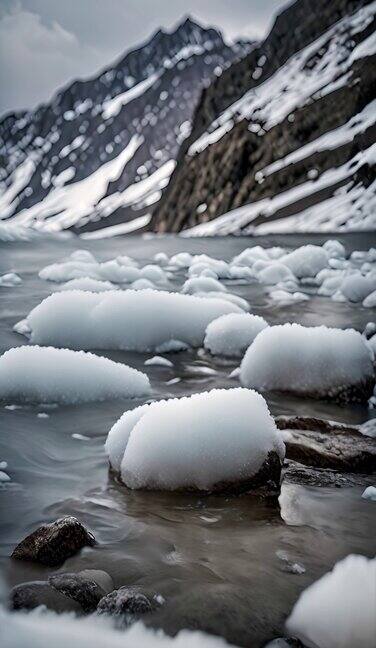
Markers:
{"x": 172, "y": 543}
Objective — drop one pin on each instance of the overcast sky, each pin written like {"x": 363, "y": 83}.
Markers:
{"x": 46, "y": 43}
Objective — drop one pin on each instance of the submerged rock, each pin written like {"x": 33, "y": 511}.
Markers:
{"x": 75, "y": 586}
{"x": 51, "y": 544}
{"x": 325, "y": 444}
{"x": 28, "y": 596}
{"x": 125, "y": 601}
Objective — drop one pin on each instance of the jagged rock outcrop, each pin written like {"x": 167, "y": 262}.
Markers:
{"x": 282, "y": 139}
{"x": 70, "y": 162}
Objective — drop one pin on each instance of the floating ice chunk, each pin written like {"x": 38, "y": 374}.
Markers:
{"x": 249, "y": 256}
{"x": 284, "y": 297}
{"x": 241, "y": 272}
{"x": 181, "y": 260}
{"x": 335, "y": 249}
{"x": 202, "y": 285}
{"x": 86, "y": 283}
{"x": 306, "y": 261}
{"x": 4, "y": 477}
{"x": 356, "y": 287}
{"x": 134, "y": 320}
{"x": 330, "y": 285}
{"x": 172, "y": 346}
{"x": 274, "y": 273}
{"x": 232, "y": 334}
{"x": 36, "y": 374}
{"x": 370, "y": 493}
{"x": 338, "y": 610}
{"x": 189, "y": 442}
{"x": 318, "y": 361}
{"x": 10, "y": 279}
{"x": 159, "y": 361}
{"x": 161, "y": 258}
{"x": 235, "y": 373}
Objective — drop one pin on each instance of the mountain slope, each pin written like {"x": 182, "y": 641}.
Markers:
{"x": 106, "y": 146}
{"x": 284, "y": 139}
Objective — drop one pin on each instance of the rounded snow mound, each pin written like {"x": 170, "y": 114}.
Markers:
{"x": 338, "y": 610}
{"x": 317, "y": 361}
{"x": 36, "y": 374}
{"x": 231, "y": 335}
{"x": 306, "y": 261}
{"x": 208, "y": 441}
{"x": 130, "y": 320}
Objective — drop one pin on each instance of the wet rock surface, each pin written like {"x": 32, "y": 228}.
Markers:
{"x": 126, "y": 602}
{"x": 216, "y": 609}
{"x": 28, "y": 596}
{"x": 84, "y": 591}
{"x": 323, "y": 444}
{"x": 51, "y": 544}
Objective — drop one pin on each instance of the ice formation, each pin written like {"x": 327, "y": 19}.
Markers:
{"x": 232, "y": 334}
{"x": 133, "y": 320}
{"x": 317, "y": 361}
{"x": 40, "y": 374}
{"x": 189, "y": 442}
{"x": 370, "y": 493}
{"x": 10, "y": 279}
{"x": 338, "y": 610}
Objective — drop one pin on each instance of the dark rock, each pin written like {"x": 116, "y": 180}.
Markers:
{"x": 125, "y": 601}
{"x": 51, "y": 544}
{"x": 267, "y": 480}
{"x": 328, "y": 445}
{"x": 28, "y": 596}
{"x": 86, "y": 592}
{"x": 222, "y": 610}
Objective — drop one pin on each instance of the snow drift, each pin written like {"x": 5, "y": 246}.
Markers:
{"x": 188, "y": 443}
{"x": 231, "y": 335}
{"x": 318, "y": 361}
{"x": 133, "y": 320}
{"x": 338, "y": 610}
{"x": 35, "y": 374}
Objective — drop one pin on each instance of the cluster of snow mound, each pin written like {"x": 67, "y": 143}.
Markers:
{"x": 338, "y": 610}
{"x": 121, "y": 270}
{"x": 36, "y": 374}
{"x": 41, "y": 628}
{"x": 319, "y": 362}
{"x": 188, "y": 443}
{"x": 232, "y": 334}
{"x": 128, "y": 320}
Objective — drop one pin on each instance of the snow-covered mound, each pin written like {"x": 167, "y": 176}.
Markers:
{"x": 188, "y": 443}
{"x": 41, "y": 629}
{"x": 91, "y": 285}
{"x": 338, "y": 610}
{"x": 134, "y": 320}
{"x": 317, "y": 361}
{"x": 306, "y": 261}
{"x": 36, "y": 374}
{"x": 231, "y": 335}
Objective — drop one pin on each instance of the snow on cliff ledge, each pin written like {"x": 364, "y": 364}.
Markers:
{"x": 189, "y": 442}
{"x": 35, "y": 374}
{"x": 317, "y": 361}
{"x": 130, "y": 320}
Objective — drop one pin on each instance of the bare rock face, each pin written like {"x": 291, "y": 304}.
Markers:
{"x": 125, "y": 601}
{"x": 75, "y": 586}
{"x": 324, "y": 444}
{"x": 51, "y": 544}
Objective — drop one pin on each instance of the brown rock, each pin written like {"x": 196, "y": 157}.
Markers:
{"x": 51, "y": 544}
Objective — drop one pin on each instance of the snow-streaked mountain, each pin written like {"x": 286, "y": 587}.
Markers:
{"x": 101, "y": 151}
{"x": 284, "y": 140}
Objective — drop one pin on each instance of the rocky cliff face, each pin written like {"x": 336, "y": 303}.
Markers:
{"x": 284, "y": 139}
{"x": 102, "y": 149}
